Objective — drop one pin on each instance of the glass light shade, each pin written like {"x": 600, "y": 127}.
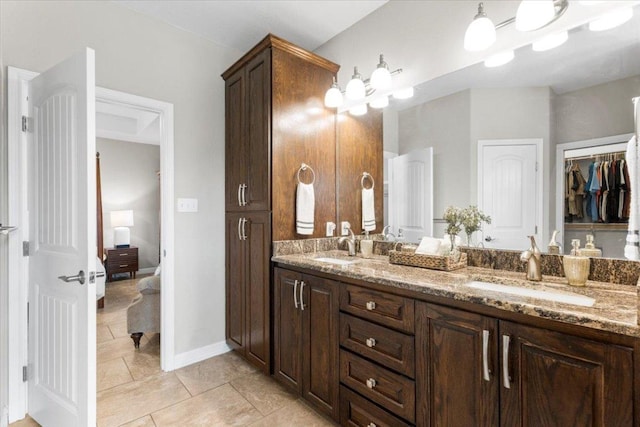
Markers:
{"x": 550, "y": 41}
{"x": 534, "y": 14}
{"x": 379, "y": 102}
{"x": 480, "y": 34}
{"x": 122, "y": 218}
{"x": 499, "y": 59}
{"x": 333, "y": 97}
{"x": 405, "y": 93}
{"x": 356, "y": 89}
{"x": 381, "y": 78}
{"x": 358, "y": 110}
{"x": 611, "y": 20}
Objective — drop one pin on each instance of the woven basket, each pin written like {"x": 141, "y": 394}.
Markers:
{"x": 433, "y": 262}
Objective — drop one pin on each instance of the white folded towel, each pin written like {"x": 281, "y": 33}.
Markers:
{"x": 429, "y": 246}
{"x": 368, "y": 210}
{"x": 632, "y": 249}
{"x": 305, "y": 208}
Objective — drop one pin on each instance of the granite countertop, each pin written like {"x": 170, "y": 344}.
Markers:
{"x": 615, "y": 309}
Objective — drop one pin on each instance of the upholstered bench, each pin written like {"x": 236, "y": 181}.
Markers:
{"x": 143, "y": 315}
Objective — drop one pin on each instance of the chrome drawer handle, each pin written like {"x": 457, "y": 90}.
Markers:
{"x": 302, "y": 284}
{"x": 371, "y": 383}
{"x": 371, "y": 342}
{"x": 124, "y": 254}
{"x": 506, "y": 380}
{"x": 124, "y": 265}
{"x": 239, "y": 194}
{"x": 372, "y": 425}
{"x": 485, "y": 355}
{"x": 371, "y": 305}
{"x": 295, "y": 293}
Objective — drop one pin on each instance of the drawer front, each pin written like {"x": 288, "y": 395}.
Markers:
{"x": 392, "y": 391}
{"x": 390, "y": 348}
{"x": 357, "y": 411}
{"x": 387, "y": 309}
{"x": 121, "y": 256}
{"x": 123, "y": 267}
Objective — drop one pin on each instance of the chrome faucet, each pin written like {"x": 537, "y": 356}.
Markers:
{"x": 386, "y": 233}
{"x": 351, "y": 242}
{"x": 532, "y": 257}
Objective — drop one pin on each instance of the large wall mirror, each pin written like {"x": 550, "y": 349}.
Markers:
{"x": 481, "y": 120}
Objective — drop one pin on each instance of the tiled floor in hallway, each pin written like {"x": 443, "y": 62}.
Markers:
{"x": 221, "y": 391}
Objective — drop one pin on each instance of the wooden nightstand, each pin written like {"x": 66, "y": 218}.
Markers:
{"x": 122, "y": 260}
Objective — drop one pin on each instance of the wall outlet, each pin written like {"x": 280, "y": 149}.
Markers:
{"x": 331, "y": 227}
{"x": 344, "y": 228}
{"x": 187, "y": 205}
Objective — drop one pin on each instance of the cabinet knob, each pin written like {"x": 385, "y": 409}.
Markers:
{"x": 371, "y": 383}
{"x": 371, "y": 342}
{"x": 371, "y": 305}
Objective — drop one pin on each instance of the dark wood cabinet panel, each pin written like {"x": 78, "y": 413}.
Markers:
{"x": 560, "y": 380}
{"x": 287, "y": 335}
{"x": 321, "y": 376}
{"x": 392, "y": 391}
{"x": 391, "y": 349}
{"x": 235, "y": 283}
{"x": 235, "y": 148}
{"x": 381, "y": 307}
{"x": 356, "y": 411}
{"x": 122, "y": 260}
{"x": 452, "y": 386}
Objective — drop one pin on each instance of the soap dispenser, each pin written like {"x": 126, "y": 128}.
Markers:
{"x": 554, "y": 247}
{"x": 576, "y": 266}
{"x": 590, "y": 249}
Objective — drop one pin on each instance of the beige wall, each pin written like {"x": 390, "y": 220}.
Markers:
{"x": 130, "y": 180}
{"x": 142, "y": 56}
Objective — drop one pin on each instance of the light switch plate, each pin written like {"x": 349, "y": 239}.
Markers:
{"x": 344, "y": 228}
{"x": 331, "y": 227}
{"x": 187, "y": 205}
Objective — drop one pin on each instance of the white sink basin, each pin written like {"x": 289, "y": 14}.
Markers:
{"x": 563, "y": 297}
{"x": 338, "y": 261}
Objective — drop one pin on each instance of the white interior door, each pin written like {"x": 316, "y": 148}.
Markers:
{"x": 62, "y": 224}
{"x": 411, "y": 194}
{"x": 509, "y": 192}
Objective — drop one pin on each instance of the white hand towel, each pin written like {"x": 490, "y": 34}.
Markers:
{"x": 305, "y": 208}
{"x": 368, "y": 210}
{"x": 429, "y": 246}
{"x": 632, "y": 249}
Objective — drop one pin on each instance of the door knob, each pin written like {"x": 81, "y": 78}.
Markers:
{"x": 77, "y": 278}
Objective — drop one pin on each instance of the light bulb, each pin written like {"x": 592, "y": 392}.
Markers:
{"x": 550, "y": 41}
{"x": 499, "y": 59}
{"x": 534, "y": 14}
{"x": 355, "y": 87}
{"x": 611, "y": 20}
{"x": 380, "y": 102}
{"x": 481, "y": 33}
{"x": 405, "y": 93}
{"x": 381, "y": 77}
{"x": 358, "y": 110}
{"x": 333, "y": 97}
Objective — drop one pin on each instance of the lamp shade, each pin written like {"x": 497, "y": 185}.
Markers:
{"x": 355, "y": 88}
{"x": 333, "y": 98}
{"x": 480, "y": 34}
{"x": 534, "y": 14}
{"x": 122, "y": 218}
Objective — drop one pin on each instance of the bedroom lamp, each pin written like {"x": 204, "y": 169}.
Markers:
{"x": 121, "y": 221}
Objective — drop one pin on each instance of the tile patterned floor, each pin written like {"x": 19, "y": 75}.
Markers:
{"x": 221, "y": 391}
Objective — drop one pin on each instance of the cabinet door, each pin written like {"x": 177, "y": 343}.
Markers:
{"x": 320, "y": 308}
{"x": 257, "y": 299}
{"x": 456, "y": 372}
{"x": 287, "y": 329}
{"x": 561, "y": 380}
{"x": 235, "y": 146}
{"x": 235, "y": 282}
{"x": 257, "y": 128}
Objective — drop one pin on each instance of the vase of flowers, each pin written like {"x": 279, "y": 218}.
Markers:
{"x": 453, "y": 216}
{"x": 471, "y": 219}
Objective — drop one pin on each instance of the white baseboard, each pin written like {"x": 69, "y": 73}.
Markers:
{"x": 199, "y": 354}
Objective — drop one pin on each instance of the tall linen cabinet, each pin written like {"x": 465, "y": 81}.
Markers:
{"x": 274, "y": 121}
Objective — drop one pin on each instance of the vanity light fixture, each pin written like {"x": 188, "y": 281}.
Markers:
{"x": 531, "y": 15}
{"x": 333, "y": 97}
{"x": 499, "y": 59}
{"x": 355, "y": 88}
{"x": 612, "y": 19}
{"x": 550, "y": 41}
{"x": 381, "y": 76}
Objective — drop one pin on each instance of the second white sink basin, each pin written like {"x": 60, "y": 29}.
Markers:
{"x": 338, "y": 261}
{"x": 564, "y": 297}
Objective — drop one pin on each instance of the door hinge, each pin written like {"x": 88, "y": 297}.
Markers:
{"x": 25, "y": 123}
{"x": 24, "y": 374}
{"x": 536, "y": 230}
{"x": 25, "y": 248}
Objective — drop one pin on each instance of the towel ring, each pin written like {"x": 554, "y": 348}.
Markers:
{"x": 366, "y": 175}
{"x": 304, "y": 167}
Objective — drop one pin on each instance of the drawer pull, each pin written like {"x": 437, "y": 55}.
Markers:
{"x": 372, "y": 425}
{"x": 485, "y": 355}
{"x": 124, "y": 254}
{"x": 124, "y": 265}
{"x": 506, "y": 379}
{"x": 371, "y": 383}
{"x": 371, "y": 342}
{"x": 371, "y": 305}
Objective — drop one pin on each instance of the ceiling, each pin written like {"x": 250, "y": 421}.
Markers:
{"x": 242, "y": 24}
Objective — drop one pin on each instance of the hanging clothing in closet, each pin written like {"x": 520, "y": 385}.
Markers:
{"x": 607, "y": 191}
{"x": 575, "y": 192}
